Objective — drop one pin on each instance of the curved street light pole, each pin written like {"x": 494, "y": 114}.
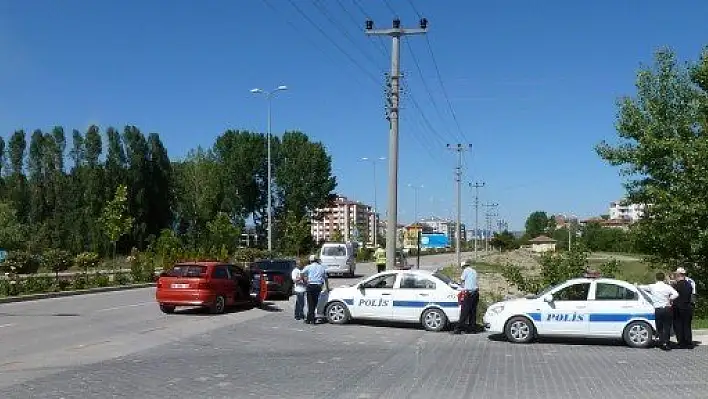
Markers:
{"x": 268, "y": 95}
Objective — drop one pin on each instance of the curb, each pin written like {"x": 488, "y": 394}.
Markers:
{"x": 61, "y": 294}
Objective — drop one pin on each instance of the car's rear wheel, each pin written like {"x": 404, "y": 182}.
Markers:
{"x": 434, "y": 320}
{"x": 519, "y": 330}
{"x": 219, "y": 305}
{"x": 638, "y": 334}
{"x": 337, "y": 313}
{"x": 169, "y": 309}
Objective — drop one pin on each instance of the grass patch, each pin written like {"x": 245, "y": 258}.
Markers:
{"x": 633, "y": 271}
{"x": 700, "y": 324}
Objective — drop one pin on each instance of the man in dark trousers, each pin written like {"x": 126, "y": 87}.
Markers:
{"x": 316, "y": 276}
{"x": 662, "y": 295}
{"x": 470, "y": 299}
{"x": 683, "y": 310}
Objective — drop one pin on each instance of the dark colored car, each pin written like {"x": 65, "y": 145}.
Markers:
{"x": 212, "y": 285}
{"x": 278, "y": 276}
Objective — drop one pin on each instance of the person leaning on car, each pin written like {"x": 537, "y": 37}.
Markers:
{"x": 470, "y": 299}
{"x": 316, "y": 276}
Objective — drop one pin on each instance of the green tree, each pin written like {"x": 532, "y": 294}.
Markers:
{"x": 536, "y": 224}
{"x": 663, "y": 153}
{"x": 504, "y": 241}
{"x": 12, "y": 232}
{"x": 337, "y": 236}
{"x": 223, "y": 232}
{"x": 115, "y": 220}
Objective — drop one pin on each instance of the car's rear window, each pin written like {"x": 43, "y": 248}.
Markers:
{"x": 282, "y": 266}
{"x": 194, "y": 271}
{"x": 339, "y": 250}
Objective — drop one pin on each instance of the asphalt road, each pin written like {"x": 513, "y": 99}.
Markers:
{"x": 119, "y": 345}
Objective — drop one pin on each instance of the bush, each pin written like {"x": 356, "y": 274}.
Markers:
{"x": 86, "y": 261}
{"x": 21, "y": 262}
{"x": 36, "y": 285}
{"x": 121, "y": 279}
{"x": 249, "y": 254}
{"x": 56, "y": 260}
{"x": 99, "y": 280}
{"x": 364, "y": 254}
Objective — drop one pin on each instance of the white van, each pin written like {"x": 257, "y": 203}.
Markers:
{"x": 339, "y": 258}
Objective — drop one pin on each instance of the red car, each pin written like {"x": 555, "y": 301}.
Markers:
{"x": 213, "y": 285}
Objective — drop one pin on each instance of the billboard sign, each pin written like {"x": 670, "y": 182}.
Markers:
{"x": 434, "y": 240}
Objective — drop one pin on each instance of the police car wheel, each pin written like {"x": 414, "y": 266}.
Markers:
{"x": 519, "y": 330}
{"x": 638, "y": 334}
{"x": 434, "y": 320}
{"x": 337, "y": 313}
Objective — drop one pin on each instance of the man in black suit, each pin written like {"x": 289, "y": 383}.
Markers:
{"x": 683, "y": 310}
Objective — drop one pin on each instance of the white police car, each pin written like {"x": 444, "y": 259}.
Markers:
{"x": 417, "y": 296}
{"x": 583, "y": 307}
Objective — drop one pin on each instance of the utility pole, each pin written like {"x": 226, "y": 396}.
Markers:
{"x": 476, "y": 186}
{"x": 396, "y": 33}
{"x": 488, "y": 228}
{"x": 458, "y": 179}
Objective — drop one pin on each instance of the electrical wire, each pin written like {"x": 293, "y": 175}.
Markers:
{"x": 346, "y": 54}
{"x": 381, "y": 48}
{"x": 323, "y": 11}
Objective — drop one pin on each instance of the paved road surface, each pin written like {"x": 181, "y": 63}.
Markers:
{"x": 118, "y": 345}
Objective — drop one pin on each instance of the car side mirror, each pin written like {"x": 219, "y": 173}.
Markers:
{"x": 361, "y": 288}
{"x": 548, "y": 298}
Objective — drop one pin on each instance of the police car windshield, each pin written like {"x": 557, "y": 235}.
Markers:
{"x": 445, "y": 279}
{"x": 547, "y": 290}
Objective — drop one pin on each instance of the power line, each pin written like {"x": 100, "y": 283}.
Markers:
{"x": 380, "y": 47}
{"x": 415, "y": 9}
{"x": 425, "y": 84}
{"x": 368, "y": 18}
{"x": 323, "y": 11}
{"x": 353, "y": 60}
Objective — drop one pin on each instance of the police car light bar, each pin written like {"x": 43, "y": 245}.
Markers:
{"x": 592, "y": 274}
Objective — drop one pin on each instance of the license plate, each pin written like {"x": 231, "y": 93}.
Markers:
{"x": 180, "y": 285}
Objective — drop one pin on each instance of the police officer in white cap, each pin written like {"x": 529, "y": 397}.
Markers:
{"x": 683, "y": 310}
{"x": 316, "y": 276}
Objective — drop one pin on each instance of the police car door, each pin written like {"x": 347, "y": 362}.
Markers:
{"x": 612, "y": 307}
{"x": 374, "y": 297}
{"x": 413, "y": 294}
{"x": 567, "y": 312}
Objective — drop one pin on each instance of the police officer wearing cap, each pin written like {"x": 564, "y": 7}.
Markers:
{"x": 316, "y": 276}
{"x": 683, "y": 310}
{"x": 470, "y": 299}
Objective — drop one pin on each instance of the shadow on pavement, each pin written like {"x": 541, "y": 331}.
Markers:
{"x": 41, "y": 315}
{"x": 568, "y": 341}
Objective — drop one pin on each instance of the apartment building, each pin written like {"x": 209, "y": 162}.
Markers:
{"x": 354, "y": 220}
{"x": 444, "y": 226}
{"x": 621, "y": 210}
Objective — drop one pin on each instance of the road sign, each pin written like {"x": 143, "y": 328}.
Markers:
{"x": 3, "y": 255}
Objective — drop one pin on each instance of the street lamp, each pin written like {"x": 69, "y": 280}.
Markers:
{"x": 376, "y": 206}
{"x": 419, "y": 228}
{"x": 569, "y": 224}
{"x": 268, "y": 95}
{"x": 416, "y": 188}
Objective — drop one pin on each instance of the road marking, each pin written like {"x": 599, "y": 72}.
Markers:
{"x": 123, "y": 307}
{"x": 7, "y": 325}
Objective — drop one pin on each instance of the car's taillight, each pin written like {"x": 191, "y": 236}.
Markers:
{"x": 278, "y": 279}
{"x": 159, "y": 284}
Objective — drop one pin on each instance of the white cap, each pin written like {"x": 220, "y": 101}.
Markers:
{"x": 681, "y": 270}
{"x": 313, "y": 258}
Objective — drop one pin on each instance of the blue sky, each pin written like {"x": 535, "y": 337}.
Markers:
{"x": 533, "y": 84}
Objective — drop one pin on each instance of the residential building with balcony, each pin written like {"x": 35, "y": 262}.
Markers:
{"x": 621, "y": 210}
{"x": 355, "y": 221}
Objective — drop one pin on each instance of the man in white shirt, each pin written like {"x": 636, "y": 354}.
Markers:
{"x": 299, "y": 289}
{"x": 662, "y": 295}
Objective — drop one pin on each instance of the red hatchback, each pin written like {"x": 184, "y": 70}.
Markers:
{"x": 213, "y": 285}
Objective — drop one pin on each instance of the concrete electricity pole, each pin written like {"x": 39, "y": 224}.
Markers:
{"x": 396, "y": 33}
{"x": 476, "y": 186}
{"x": 458, "y": 179}
{"x": 268, "y": 95}
{"x": 488, "y": 228}
{"x": 376, "y": 205}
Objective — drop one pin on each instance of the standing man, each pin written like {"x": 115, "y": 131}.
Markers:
{"x": 299, "y": 288}
{"x": 316, "y": 275}
{"x": 662, "y": 294}
{"x": 470, "y": 299}
{"x": 683, "y": 307}
{"x": 380, "y": 259}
